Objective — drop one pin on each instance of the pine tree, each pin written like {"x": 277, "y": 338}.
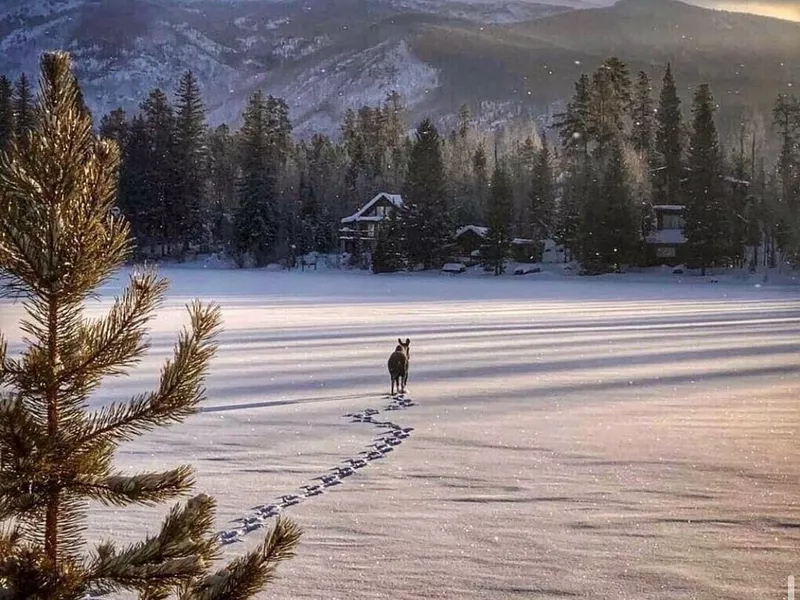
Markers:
{"x": 542, "y": 196}
{"x": 426, "y": 221}
{"x": 326, "y": 167}
{"x": 353, "y": 143}
{"x": 159, "y": 168}
{"x": 480, "y": 178}
{"x": 138, "y": 190}
{"x": 256, "y": 220}
{"x": 279, "y": 133}
{"x": 616, "y": 234}
{"x": 388, "y": 255}
{"x": 642, "y": 117}
{"x": 58, "y": 243}
{"x": 707, "y": 223}
{"x": 23, "y": 107}
{"x": 577, "y": 199}
{"x": 609, "y": 103}
{"x": 786, "y": 209}
{"x": 499, "y": 217}
{"x": 738, "y": 202}
{"x": 222, "y": 181}
{"x": 668, "y": 143}
{"x": 621, "y": 84}
{"x": 6, "y": 113}
{"x": 574, "y": 125}
{"x": 521, "y": 165}
{"x": 786, "y": 118}
{"x": 115, "y": 126}
{"x": 392, "y": 135}
{"x": 190, "y": 154}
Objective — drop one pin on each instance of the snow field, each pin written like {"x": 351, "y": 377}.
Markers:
{"x": 572, "y": 438}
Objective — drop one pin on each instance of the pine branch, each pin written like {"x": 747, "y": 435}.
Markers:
{"x": 10, "y": 539}
{"x": 115, "y": 343}
{"x": 18, "y": 433}
{"x": 246, "y": 576}
{"x": 180, "y": 391}
{"x": 17, "y": 254}
{"x": 145, "y": 488}
{"x": 181, "y": 552}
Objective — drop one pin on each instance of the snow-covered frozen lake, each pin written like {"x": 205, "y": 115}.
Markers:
{"x": 574, "y": 437}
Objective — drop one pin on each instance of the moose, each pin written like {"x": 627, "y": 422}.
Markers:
{"x": 398, "y": 365}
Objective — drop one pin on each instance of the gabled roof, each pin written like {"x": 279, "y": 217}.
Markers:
{"x": 476, "y": 229}
{"x": 395, "y": 199}
{"x": 481, "y": 231}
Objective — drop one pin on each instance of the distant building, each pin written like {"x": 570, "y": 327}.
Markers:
{"x": 467, "y": 243}
{"x": 469, "y": 239}
{"x": 359, "y": 231}
{"x": 665, "y": 244}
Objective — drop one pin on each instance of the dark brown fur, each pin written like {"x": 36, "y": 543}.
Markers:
{"x": 398, "y": 365}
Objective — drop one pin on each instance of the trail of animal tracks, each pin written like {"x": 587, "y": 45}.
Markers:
{"x": 391, "y": 436}
{"x": 572, "y": 438}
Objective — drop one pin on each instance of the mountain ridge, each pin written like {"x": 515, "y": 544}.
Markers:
{"x": 515, "y": 59}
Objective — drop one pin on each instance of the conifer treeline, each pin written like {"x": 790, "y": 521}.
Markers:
{"x": 259, "y": 193}
{"x": 624, "y": 152}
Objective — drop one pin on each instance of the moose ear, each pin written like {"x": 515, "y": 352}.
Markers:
{"x": 408, "y": 341}
{"x": 399, "y": 341}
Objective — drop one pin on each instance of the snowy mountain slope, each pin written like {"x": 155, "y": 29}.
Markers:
{"x": 325, "y": 57}
{"x": 322, "y": 58}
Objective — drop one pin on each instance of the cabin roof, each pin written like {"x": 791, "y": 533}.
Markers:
{"x": 395, "y": 199}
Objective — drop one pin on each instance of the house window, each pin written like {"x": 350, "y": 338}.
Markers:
{"x": 380, "y": 211}
{"x": 665, "y": 252}
{"x": 672, "y": 221}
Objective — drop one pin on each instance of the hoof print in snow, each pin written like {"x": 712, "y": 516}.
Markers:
{"x": 253, "y": 524}
{"x": 290, "y": 500}
{"x": 312, "y": 490}
{"x": 329, "y": 480}
{"x": 344, "y": 471}
{"x": 229, "y": 537}
{"x": 268, "y": 510}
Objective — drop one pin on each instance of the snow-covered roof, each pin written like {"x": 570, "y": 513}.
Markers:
{"x": 666, "y": 236}
{"x": 395, "y": 199}
{"x": 484, "y": 231}
{"x": 476, "y": 229}
{"x": 668, "y": 207}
